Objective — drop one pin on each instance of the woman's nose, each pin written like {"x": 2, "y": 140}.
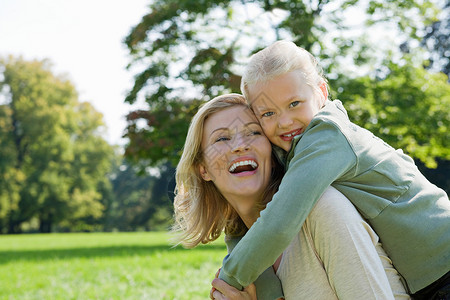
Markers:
{"x": 241, "y": 144}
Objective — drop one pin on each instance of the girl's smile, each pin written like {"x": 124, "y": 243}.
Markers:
{"x": 285, "y": 105}
{"x": 289, "y": 136}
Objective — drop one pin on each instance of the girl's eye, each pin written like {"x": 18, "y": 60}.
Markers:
{"x": 294, "y": 103}
{"x": 268, "y": 114}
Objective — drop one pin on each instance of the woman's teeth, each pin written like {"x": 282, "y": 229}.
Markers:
{"x": 251, "y": 163}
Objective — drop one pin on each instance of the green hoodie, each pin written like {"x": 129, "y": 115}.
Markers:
{"x": 268, "y": 285}
{"x": 410, "y": 215}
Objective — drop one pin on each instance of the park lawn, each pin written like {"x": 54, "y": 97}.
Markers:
{"x": 140, "y": 265}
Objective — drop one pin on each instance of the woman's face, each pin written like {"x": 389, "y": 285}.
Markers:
{"x": 236, "y": 156}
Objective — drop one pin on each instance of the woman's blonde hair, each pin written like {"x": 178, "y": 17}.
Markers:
{"x": 280, "y": 58}
{"x": 201, "y": 212}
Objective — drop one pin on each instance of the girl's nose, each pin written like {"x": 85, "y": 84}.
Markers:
{"x": 284, "y": 121}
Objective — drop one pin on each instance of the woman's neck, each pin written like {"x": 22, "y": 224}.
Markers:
{"x": 246, "y": 207}
{"x": 250, "y": 217}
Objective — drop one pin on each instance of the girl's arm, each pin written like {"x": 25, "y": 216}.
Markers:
{"x": 268, "y": 285}
{"x": 321, "y": 156}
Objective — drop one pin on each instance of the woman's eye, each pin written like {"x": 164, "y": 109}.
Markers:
{"x": 294, "y": 103}
{"x": 268, "y": 114}
{"x": 221, "y": 139}
{"x": 255, "y": 132}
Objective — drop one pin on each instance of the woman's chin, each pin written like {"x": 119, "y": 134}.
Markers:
{"x": 249, "y": 190}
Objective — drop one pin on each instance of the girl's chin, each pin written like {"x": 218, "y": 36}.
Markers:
{"x": 285, "y": 145}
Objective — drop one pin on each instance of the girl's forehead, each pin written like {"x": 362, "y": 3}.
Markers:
{"x": 265, "y": 101}
{"x": 279, "y": 91}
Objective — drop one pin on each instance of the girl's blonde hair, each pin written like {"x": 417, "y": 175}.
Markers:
{"x": 201, "y": 212}
{"x": 280, "y": 58}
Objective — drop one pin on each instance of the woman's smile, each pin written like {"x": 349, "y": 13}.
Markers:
{"x": 243, "y": 166}
{"x": 237, "y": 156}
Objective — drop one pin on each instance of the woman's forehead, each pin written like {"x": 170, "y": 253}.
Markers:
{"x": 231, "y": 117}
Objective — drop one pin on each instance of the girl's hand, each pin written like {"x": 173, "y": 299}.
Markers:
{"x": 223, "y": 291}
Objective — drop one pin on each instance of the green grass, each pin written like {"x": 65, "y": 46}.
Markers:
{"x": 105, "y": 266}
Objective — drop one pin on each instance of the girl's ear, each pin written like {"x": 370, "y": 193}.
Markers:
{"x": 204, "y": 173}
{"x": 323, "y": 88}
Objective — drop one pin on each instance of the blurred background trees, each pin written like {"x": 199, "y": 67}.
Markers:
{"x": 57, "y": 172}
{"x": 52, "y": 158}
{"x": 388, "y": 61}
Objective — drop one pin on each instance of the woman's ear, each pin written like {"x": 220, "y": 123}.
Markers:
{"x": 204, "y": 173}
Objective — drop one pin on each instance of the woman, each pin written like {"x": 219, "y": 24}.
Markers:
{"x": 226, "y": 176}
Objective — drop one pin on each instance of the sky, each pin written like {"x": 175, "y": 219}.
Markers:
{"x": 83, "y": 39}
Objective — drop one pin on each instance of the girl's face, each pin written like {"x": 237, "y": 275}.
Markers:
{"x": 236, "y": 157}
{"x": 285, "y": 106}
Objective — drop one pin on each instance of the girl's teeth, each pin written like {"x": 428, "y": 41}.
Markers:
{"x": 291, "y": 134}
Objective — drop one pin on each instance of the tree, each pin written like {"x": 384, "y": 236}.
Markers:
{"x": 139, "y": 200}
{"x": 437, "y": 41}
{"x": 193, "y": 50}
{"x": 407, "y": 108}
{"x": 52, "y": 152}
{"x": 161, "y": 139}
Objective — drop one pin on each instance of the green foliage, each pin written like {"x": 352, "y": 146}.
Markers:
{"x": 105, "y": 266}
{"x": 139, "y": 200}
{"x": 52, "y": 153}
{"x": 190, "y": 51}
{"x": 437, "y": 41}
{"x": 163, "y": 135}
{"x": 408, "y": 108}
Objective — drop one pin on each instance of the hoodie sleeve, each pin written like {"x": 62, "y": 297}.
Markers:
{"x": 322, "y": 156}
{"x": 268, "y": 285}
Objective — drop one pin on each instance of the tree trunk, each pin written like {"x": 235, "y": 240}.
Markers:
{"x": 45, "y": 225}
{"x": 13, "y": 227}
